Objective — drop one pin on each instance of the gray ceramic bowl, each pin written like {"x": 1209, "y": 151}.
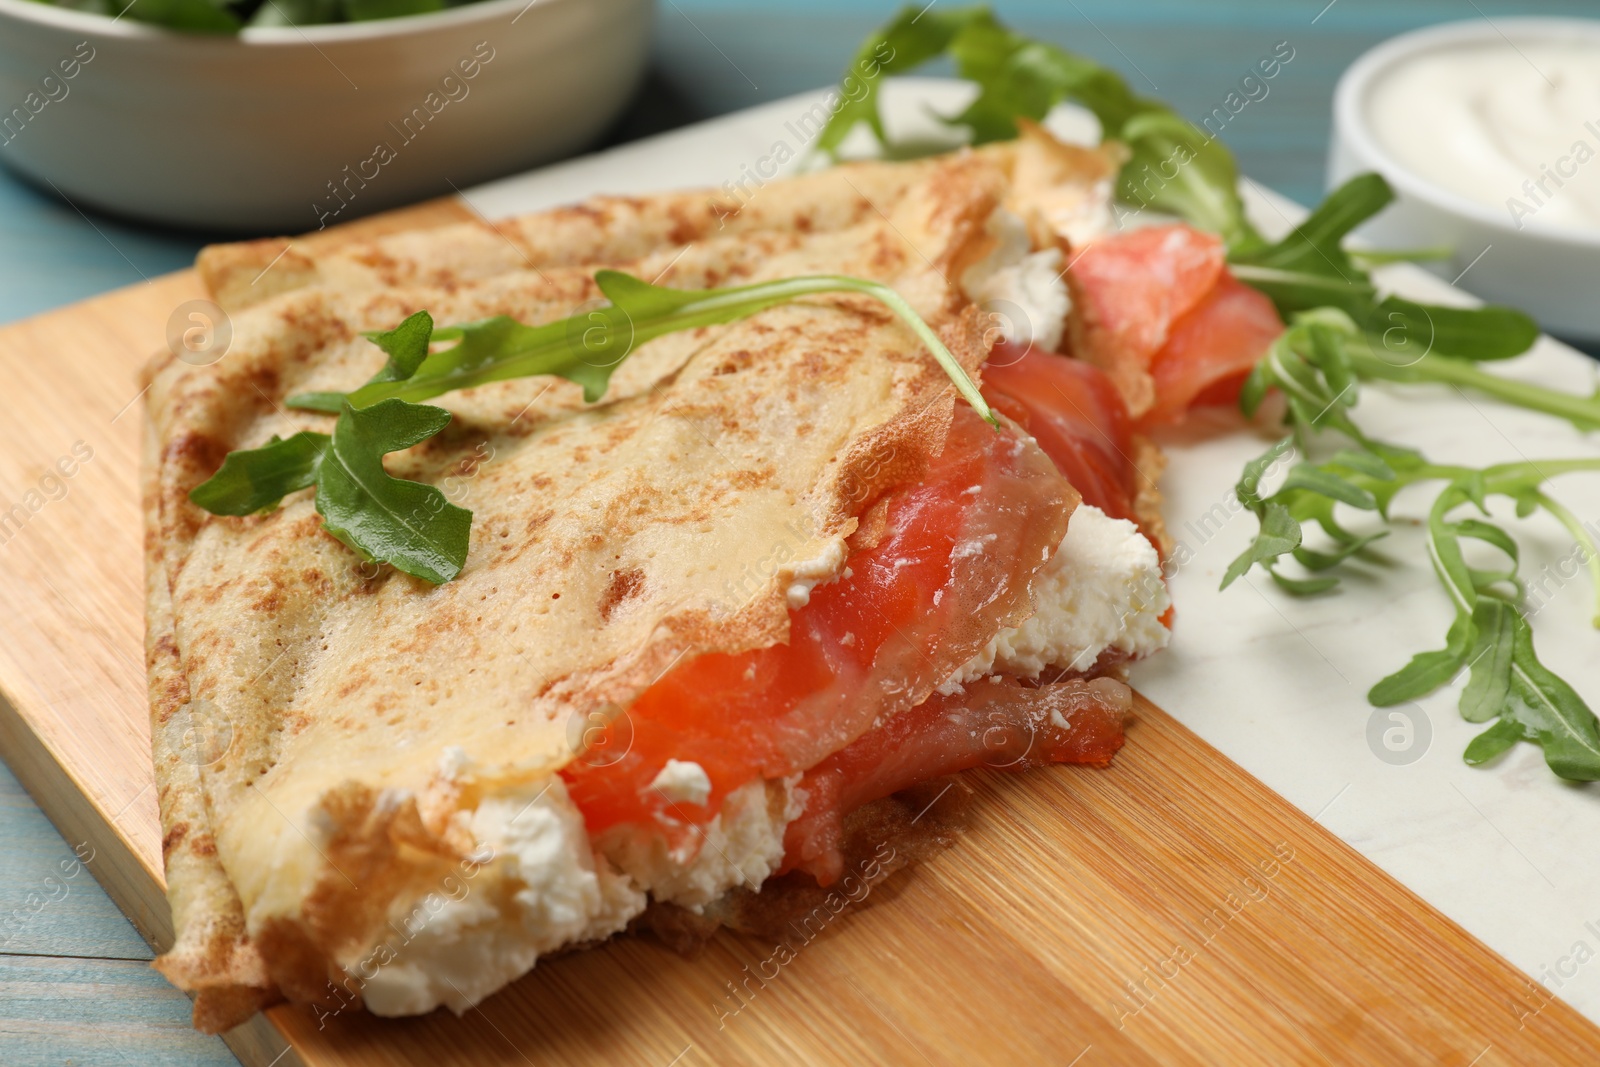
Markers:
{"x": 291, "y": 129}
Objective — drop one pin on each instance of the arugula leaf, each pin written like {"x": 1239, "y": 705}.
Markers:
{"x": 1330, "y": 484}
{"x": 1248, "y": 488}
{"x": 1317, "y": 364}
{"x": 1427, "y": 671}
{"x": 910, "y": 40}
{"x": 1317, "y": 244}
{"x": 1489, "y": 686}
{"x": 384, "y": 518}
{"x": 251, "y": 481}
{"x": 1483, "y": 333}
{"x": 406, "y": 346}
{"x": 1203, "y": 186}
{"x": 1311, "y": 268}
{"x": 1550, "y": 709}
{"x": 413, "y": 525}
{"x": 1018, "y": 76}
{"x": 1494, "y": 741}
{"x": 1280, "y": 534}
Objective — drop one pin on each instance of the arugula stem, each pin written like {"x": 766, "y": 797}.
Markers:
{"x": 1339, "y": 290}
{"x": 1502, "y": 476}
{"x": 1377, "y": 257}
{"x": 1583, "y": 537}
{"x": 1463, "y": 599}
{"x": 1582, "y": 411}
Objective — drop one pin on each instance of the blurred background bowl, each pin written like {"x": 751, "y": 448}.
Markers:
{"x": 1547, "y": 270}
{"x": 286, "y": 130}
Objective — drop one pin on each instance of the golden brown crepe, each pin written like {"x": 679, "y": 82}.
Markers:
{"x": 341, "y": 686}
{"x": 609, "y": 541}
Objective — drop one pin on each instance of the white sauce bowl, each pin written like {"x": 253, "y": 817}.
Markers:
{"x": 1550, "y": 271}
{"x": 256, "y": 132}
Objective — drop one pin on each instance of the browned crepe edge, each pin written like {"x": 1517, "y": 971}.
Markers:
{"x": 1148, "y": 463}
{"x": 598, "y": 231}
{"x": 211, "y": 954}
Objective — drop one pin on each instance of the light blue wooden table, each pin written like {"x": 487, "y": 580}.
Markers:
{"x": 74, "y": 985}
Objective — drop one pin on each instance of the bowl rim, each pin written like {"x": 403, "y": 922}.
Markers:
{"x": 1350, "y": 123}
{"x": 104, "y": 28}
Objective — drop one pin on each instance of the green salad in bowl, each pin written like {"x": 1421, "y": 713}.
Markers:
{"x": 230, "y": 16}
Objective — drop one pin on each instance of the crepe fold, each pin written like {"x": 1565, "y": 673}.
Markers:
{"x": 301, "y": 699}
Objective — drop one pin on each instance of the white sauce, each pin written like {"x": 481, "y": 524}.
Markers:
{"x": 1512, "y": 128}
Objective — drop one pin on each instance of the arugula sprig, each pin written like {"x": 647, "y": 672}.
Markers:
{"x": 588, "y": 347}
{"x": 1311, "y": 268}
{"x": 1317, "y": 365}
{"x": 1018, "y": 77}
{"x": 413, "y": 525}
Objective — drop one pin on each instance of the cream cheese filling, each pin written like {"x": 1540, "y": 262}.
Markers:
{"x": 741, "y": 845}
{"x": 799, "y": 578}
{"x": 540, "y": 885}
{"x": 1023, "y": 290}
{"x": 536, "y": 882}
{"x": 1102, "y": 590}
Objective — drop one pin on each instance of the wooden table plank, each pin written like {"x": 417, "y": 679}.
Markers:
{"x": 97, "y": 1013}
{"x": 49, "y": 904}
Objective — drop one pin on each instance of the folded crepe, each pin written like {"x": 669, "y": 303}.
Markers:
{"x": 776, "y": 575}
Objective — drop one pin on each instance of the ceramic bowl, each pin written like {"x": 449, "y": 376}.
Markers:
{"x": 1550, "y": 271}
{"x": 293, "y": 129}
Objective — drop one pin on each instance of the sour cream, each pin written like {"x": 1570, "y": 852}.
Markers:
{"x": 1513, "y": 127}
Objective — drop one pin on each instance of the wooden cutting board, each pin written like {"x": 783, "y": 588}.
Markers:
{"x": 1170, "y": 909}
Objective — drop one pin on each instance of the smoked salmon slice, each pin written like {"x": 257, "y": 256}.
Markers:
{"x": 1212, "y": 349}
{"x": 995, "y": 722}
{"x": 1157, "y": 309}
{"x": 1076, "y": 414}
